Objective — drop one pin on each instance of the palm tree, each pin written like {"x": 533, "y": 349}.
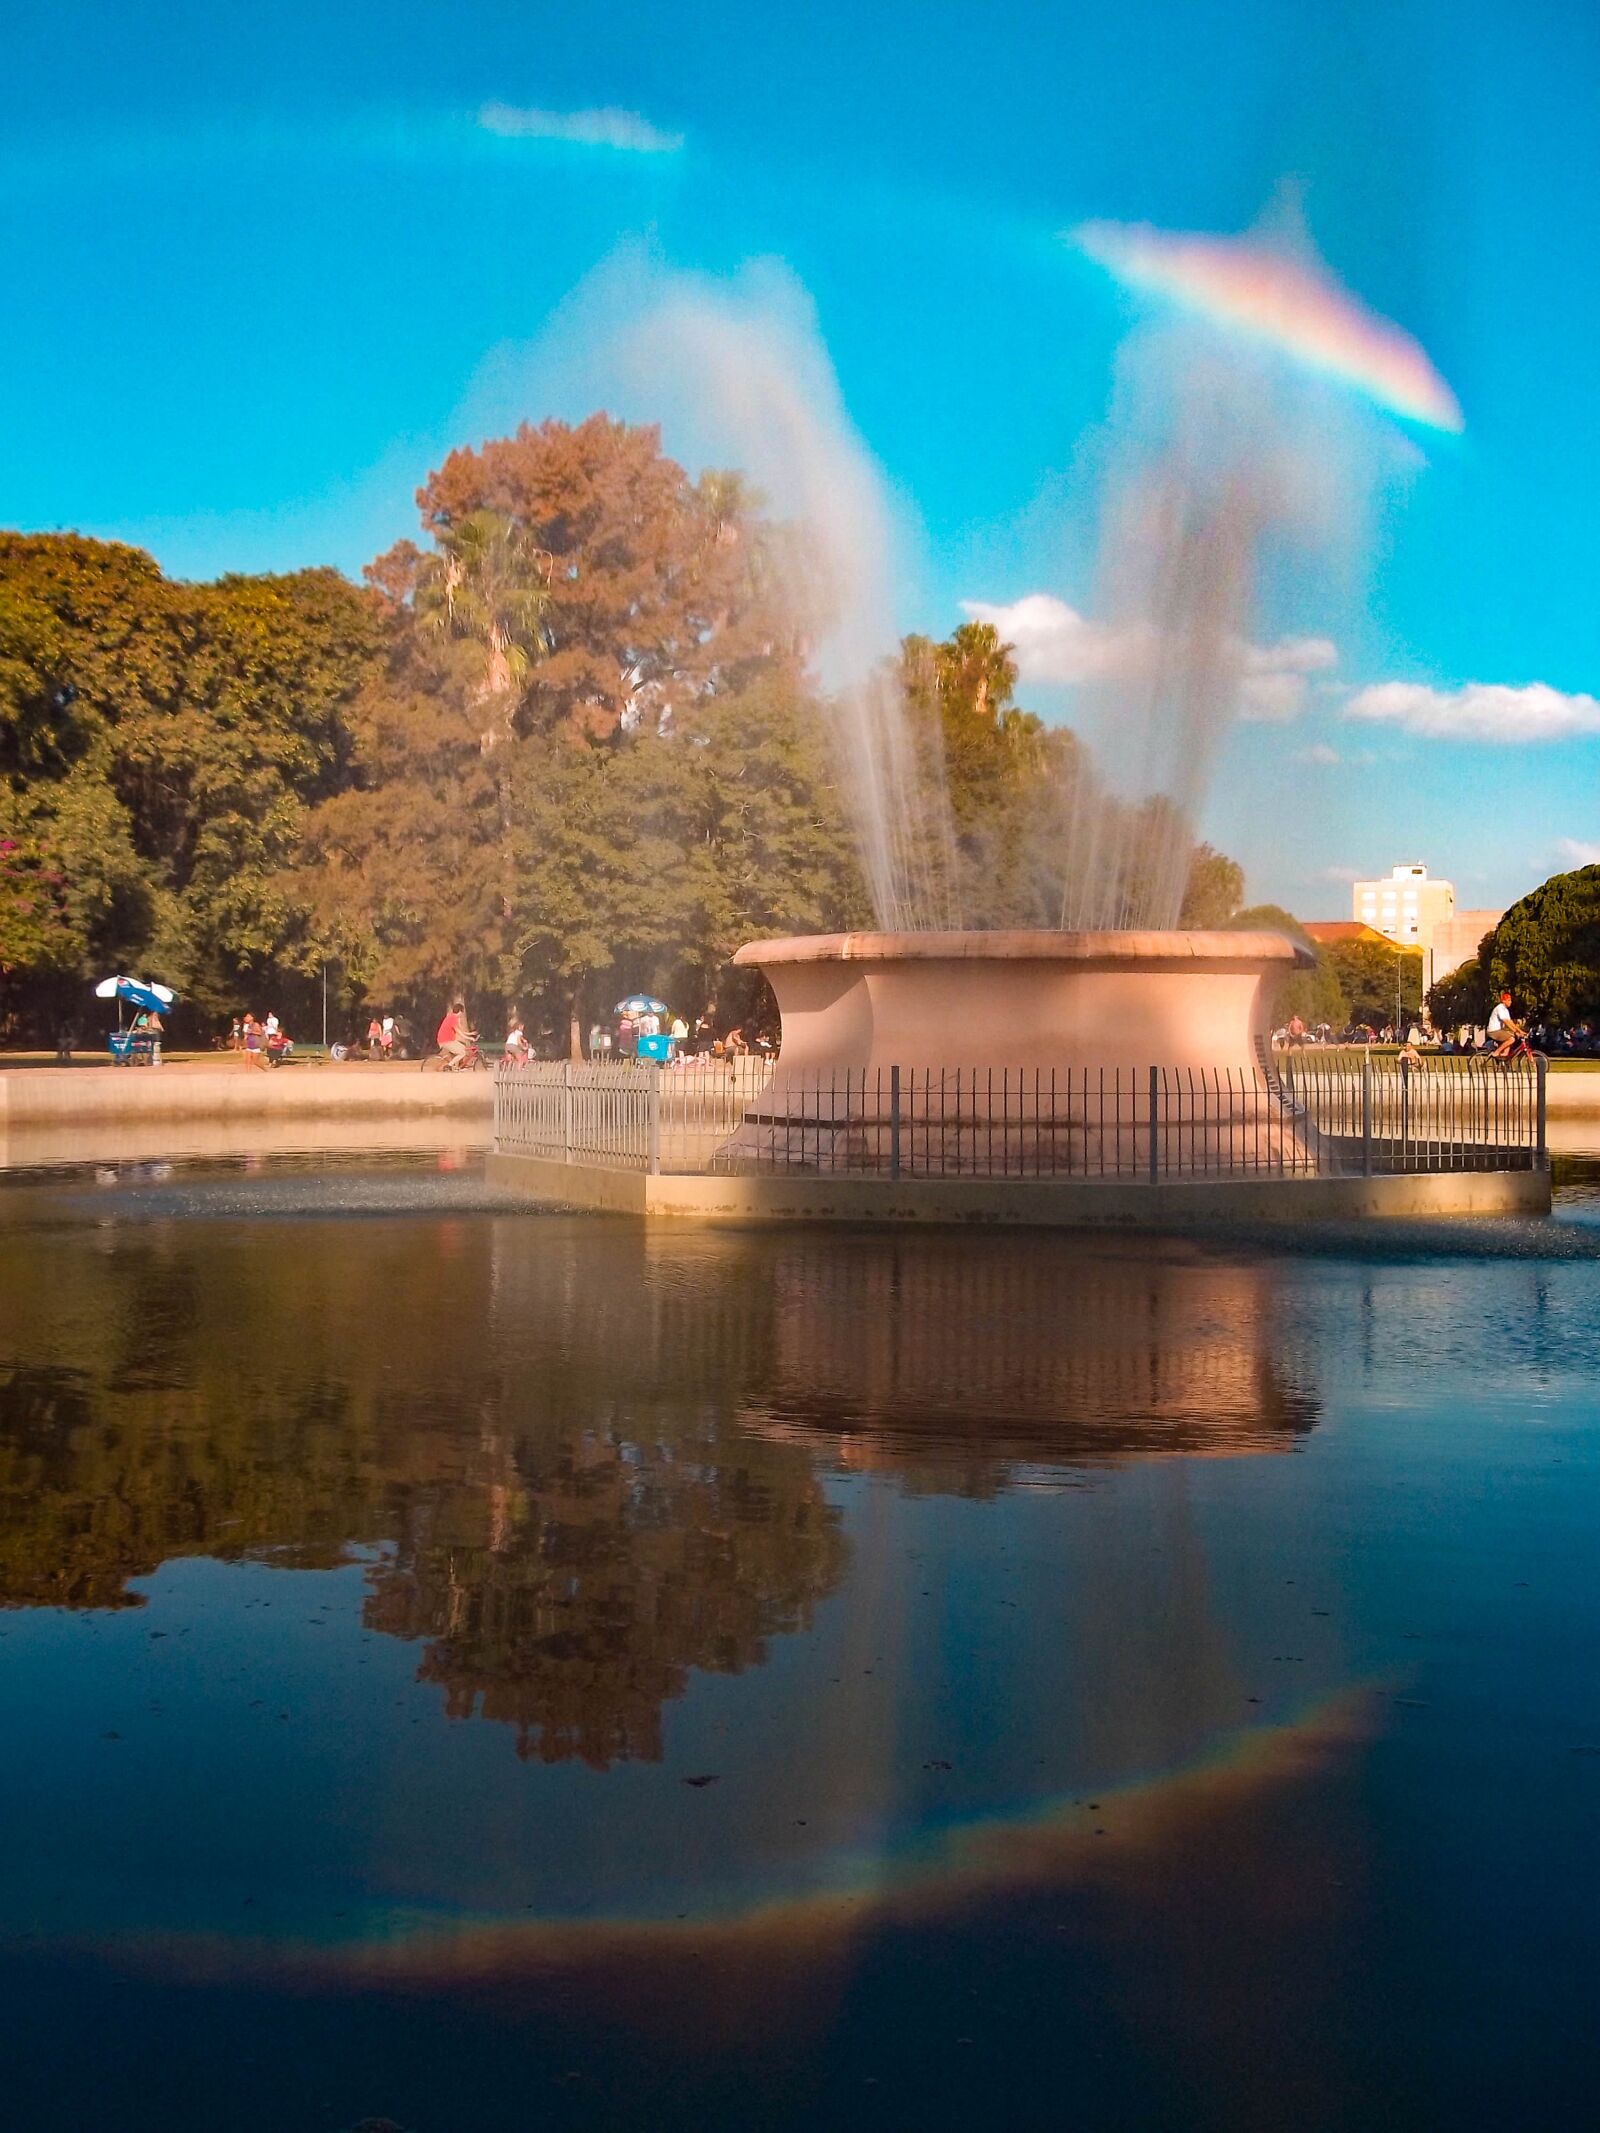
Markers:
{"x": 489, "y": 582}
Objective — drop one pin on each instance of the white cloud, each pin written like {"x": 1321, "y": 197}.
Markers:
{"x": 1346, "y": 874}
{"x": 1482, "y": 711}
{"x": 1055, "y": 644}
{"x": 1319, "y": 753}
{"x": 606, "y": 128}
{"x": 1577, "y": 853}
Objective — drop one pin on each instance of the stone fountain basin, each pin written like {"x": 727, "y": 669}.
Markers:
{"x": 1032, "y": 1000}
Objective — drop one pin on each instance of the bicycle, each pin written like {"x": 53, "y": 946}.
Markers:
{"x": 471, "y": 1061}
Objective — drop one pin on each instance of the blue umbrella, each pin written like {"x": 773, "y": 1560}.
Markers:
{"x": 155, "y": 999}
{"x": 642, "y": 1003}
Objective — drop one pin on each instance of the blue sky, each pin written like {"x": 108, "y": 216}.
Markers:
{"x": 265, "y": 266}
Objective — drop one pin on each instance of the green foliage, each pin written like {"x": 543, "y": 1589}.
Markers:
{"x": 1315, "y": 995}
{"x": 159, "y": 746}
{"x": 1462, "y": 996}
{"x": 1546, "y": 950}
{"x": 1214, "y": 890}
{"x": 566, "y": 748}
{"x": 1368, "y": 972}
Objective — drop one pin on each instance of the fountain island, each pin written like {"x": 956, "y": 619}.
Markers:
{"x": 1032, "y": 1079}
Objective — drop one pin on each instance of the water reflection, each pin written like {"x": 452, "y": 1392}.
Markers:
{"x": 957, "y": 1368}
{"x": 568, "y": 1556}
{"x": 915, "y": 1647}
{"x": 589, "y": 1473}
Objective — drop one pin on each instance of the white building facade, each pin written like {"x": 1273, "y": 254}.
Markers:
{"x": 1414, "y": 909}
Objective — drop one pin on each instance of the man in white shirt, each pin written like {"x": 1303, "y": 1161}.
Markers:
{"x": 1504, "y": 1028}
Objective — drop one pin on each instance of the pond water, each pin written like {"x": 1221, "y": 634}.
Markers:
{"x": 475, "y": 1668}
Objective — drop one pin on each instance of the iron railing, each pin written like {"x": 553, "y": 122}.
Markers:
{"x": 1333, "y": 1116}
{"x": 625, "y": 1114}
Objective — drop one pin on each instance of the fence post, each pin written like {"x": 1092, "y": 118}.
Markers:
{"x": 1405, "y": 1107}
{"x": 894, "y": 1122}
{"x": 655, "y": 1120}
{"x": 1366, "y": 1114}
{"x": 1541, "y": 1154}
{"x": 1155, "y": 1093}
{"x": 566, "y": 1110}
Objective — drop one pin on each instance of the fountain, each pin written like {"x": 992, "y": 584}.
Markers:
{"x": 1119, "y": 1052}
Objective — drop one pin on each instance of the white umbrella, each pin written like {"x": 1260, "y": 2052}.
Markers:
{"x": 136, "y": 990}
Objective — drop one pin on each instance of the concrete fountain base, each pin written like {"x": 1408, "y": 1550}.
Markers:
{"x": 1020, "y": 1000}
{"x": 1017, "y": 1053}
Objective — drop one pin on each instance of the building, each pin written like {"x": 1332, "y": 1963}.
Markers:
{"x": 1412, "y": 909}
{"x": 1406, "y": 908}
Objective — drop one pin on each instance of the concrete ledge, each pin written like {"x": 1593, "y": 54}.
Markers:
{"x": 81, "y": 1096}
{"x": 1032, "y": 1203}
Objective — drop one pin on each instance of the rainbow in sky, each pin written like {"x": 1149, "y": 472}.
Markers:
{"x": 1257, "y": 289}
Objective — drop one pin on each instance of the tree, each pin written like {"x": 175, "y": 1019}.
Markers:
{"x": 1546, "y": 950}
{"x": 1375, "y": 977}
{"x": 1315, "y": 995}
{"x": 400, "y": 870}
{"x": 650, "y": 581}
{"x": 159, "y": 744}
{"x": 1461, "y": 996}
{"x": 652, "y": 858}
{"x": 1214, "y": 890}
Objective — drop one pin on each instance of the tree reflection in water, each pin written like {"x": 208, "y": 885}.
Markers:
{"x": 591, "y": 1462}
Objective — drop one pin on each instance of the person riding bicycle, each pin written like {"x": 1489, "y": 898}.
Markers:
{"x": 454, "y": 1036}
{"x": 1505, "y": 1031}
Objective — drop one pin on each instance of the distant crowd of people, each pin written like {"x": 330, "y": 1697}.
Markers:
{"x": 1500, "y": 1037}
{"x": 669, "y": 1039}
{"x": 653, "y": 1033}
{"x": 262, "y": 1040}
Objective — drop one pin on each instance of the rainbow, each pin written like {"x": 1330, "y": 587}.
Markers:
{"x": 1293, "y": 303}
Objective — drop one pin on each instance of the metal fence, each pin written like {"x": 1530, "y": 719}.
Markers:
{"x": 625, "y": 1114}
{"x": 1297, "y": 1116}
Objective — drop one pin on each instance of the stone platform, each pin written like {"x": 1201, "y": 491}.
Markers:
{"x": 755, "y": 1199}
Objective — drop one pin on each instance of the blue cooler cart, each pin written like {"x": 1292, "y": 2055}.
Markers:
{"x": 134, "y": 1047}
{"x": 657, "y": 1048}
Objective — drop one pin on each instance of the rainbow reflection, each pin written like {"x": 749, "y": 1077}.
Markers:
{"x": 1293, "y": 303}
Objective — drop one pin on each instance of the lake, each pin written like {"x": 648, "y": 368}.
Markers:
{"x": 469, "y": 1668}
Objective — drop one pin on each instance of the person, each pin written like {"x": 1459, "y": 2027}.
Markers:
{"x": 235, "y": 1036}
{"x": 153, "y": 1029}
{"x": 626, "y": 1035}
{"x": 1504, "y": 1028}
{"x": 599, "y": 1040}
{"x": 253, "y": 1038}
{"x": 279, "y": 1044}
{"x": 271, "y": 1025}
{"x": 1295, "y": 1035}
{"x": 518, "y": 1049}
{"x": 386, "y": 1036}
{"x": 453, "y": 1034}
{"x": 374, "y": 1038}
{"x": 680, "y": 1035}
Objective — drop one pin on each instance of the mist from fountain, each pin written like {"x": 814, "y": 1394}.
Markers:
{"x": 765, "y": 394}
{"x": 1212, "y": 466}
